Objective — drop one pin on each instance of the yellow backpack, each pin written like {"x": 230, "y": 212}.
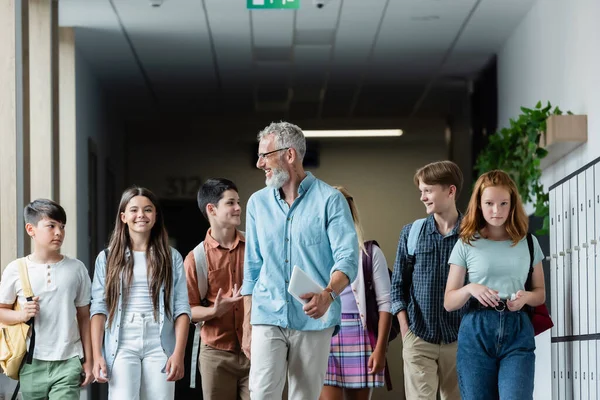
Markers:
{"x": 13, "y": 338}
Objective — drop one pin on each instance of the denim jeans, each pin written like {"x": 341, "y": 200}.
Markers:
{"x": 495, "y": 358}
{"x": 139, "y": 360}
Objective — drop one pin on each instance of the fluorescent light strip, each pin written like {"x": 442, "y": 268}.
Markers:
{"x": 354, "y": 133}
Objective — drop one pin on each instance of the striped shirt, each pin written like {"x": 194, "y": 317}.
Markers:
{"x": 423, "y": 298}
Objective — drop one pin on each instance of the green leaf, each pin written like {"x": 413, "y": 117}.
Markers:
{"x": 515, "y": 149}
{"x": 541, "y": 152}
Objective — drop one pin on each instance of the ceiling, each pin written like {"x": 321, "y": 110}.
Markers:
{"x": 351, "y": 58}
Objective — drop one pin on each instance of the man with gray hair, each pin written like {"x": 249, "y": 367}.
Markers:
{"x": 296, "y": 220}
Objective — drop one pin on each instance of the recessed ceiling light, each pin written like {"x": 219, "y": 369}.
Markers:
{"x": 425, "y": 18}
{"x": 354, "y": 133}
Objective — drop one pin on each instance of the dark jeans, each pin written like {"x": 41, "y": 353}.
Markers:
{"x": 495, "y": 358}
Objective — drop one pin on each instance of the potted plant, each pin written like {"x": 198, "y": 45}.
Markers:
{"x": 516, "y": 150}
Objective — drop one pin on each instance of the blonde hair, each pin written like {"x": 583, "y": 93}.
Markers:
{"x": 355, "y": 217}
{"x": 517, "y": 222}
{"x": 445, "y": 173}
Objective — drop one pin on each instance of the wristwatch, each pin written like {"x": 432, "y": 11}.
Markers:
{"x": 332, "y": 293}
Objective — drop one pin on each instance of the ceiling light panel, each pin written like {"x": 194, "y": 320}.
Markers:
{"x": 354, "y": 133}
{"x": 272, "y": 28}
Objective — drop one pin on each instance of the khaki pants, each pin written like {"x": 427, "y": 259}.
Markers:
{"x": 429, "y": 367}
{"x": 224, "y": 374}
{"x": 302, "y": 355}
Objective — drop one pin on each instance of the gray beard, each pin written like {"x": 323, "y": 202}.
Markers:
{"x": 278, "y": 179}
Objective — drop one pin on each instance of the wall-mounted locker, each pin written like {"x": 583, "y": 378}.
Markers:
{"x": 552, "y": 285}
{"x": 585, "y": 369}
{"x": 576, "y": 369}
{"x": 596, "y": 241}
{"x": 560, "y": 285}
{"x": 562, "y": 370}
{"x": 569, "y": 386}
{"x": 580, "y": 252}
{"x": 555, "y": 372}
{"x": 575, "y": 281}
{"x": 593, "y": 369}
{"x": 574, "y": 259}
{"x": 568, "y": 264}
{"x": 590, "y": 250}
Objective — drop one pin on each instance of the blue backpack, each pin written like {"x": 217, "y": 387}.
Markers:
{"x": 413, "y": 239}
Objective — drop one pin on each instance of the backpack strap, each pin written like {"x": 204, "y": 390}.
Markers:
{"x": 414, "y": 234}
{"x": 367, "y": 263}
{"x": 26, "y": 286}
{"x": 528, "y": 283}
{"x": 202, "y": 279}
{"x": 201, "y": 269}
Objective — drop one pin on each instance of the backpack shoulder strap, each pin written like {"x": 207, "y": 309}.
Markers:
{"x": 26, "y": 286}
{"x": 24, "y": 276}
{"x": 414, "y": 234}
{"x": 201, "y": 269}
{"x": 530, "y": 246}
{"x": 368, "y": 263}
{"x": 202, "y": 277}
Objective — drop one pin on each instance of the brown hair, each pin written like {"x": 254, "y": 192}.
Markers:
{"x": 355, "y": 217}
{"x": 517, "y": 222}
{"x": 158, "y": 254}
{"x": 445, "y": 173}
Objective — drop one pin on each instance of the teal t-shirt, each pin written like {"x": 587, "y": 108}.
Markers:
{"x": 496, "y": 264}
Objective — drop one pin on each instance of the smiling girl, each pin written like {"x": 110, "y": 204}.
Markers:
{"x": 140, "y": 310}
{"x": 495, "y": 358}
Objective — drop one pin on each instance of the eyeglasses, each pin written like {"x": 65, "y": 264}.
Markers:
{"x": 264, "y": 155}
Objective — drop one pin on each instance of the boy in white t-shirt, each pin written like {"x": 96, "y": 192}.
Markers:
{"x": 62, "y": 355}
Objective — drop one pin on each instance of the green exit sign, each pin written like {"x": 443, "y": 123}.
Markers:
{"x": 273, "y": 4}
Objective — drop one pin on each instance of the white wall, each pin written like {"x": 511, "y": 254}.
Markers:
{"x": 553, "y": 56}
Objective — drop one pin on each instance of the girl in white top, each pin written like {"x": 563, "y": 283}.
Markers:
{"x": 140, "y": 310}
{"x": 356, "y": 366}
{"x": 495, "y": 358}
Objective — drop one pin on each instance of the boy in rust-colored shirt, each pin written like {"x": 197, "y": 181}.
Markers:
{"x": 214, "y": 272}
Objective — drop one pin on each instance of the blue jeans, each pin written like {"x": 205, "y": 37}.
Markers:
{"x": 495, "y": 358}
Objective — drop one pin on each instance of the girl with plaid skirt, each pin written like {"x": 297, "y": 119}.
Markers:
{"x": 354, "y": 366}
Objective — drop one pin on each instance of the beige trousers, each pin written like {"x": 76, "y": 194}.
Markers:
{"x": 224, "y": 374}
{"x": 428, "y": 368}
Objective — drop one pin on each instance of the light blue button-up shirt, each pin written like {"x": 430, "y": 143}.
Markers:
{"x": 179, "y": 305}
{"x": 316, "y": 233}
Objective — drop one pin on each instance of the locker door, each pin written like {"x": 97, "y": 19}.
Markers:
{"x": 584, "y": 369}
{"x": 574, "y": 257}
{"x": 560, "y": 249}
{"x": 580, "y": 252}
{"x": 562, "y": 370}
{"x": 568, "y": 266}
{"x": 590, "y": 235}
{"x": 593, "y": 371}
{"x": 595, "y": 242}
{"x": 575, "y": 363}
{"x": 553, "y": 263}
{"x": 569, "y": 368}
{"x": 555, "y": 372}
